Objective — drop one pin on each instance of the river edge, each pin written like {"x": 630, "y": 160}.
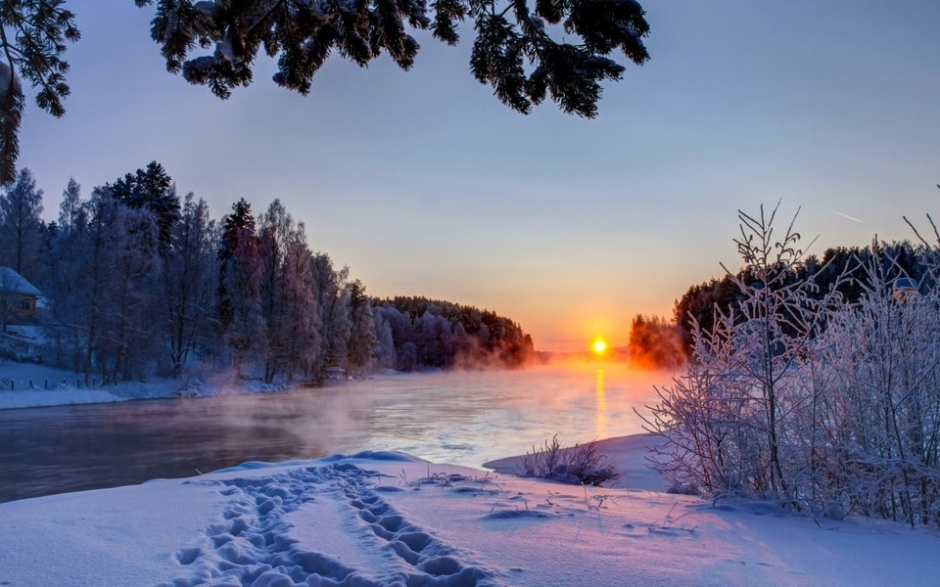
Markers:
{"x": 30, "y": 385}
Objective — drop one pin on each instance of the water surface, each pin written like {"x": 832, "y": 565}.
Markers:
{"x": 460, "y": 418}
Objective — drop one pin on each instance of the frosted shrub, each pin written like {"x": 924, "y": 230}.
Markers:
{"x": 797, "y": 396}
{"x": 709, "y": 419}
{"x": 729, "y": 422}
{"x": 886, "y": 357}
{"x": 582, "y": 463}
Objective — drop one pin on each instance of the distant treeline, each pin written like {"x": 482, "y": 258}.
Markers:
{"x": 138, "y": 281}
{"x": 845, "y": 269}
{"x": 417, "y": 331}
{"x": 662, "y": 343}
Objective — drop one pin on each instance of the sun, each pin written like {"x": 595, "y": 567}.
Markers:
{"x": 599, "y": 346}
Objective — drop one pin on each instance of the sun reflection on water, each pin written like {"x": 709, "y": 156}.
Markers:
{"x": 601, "y": 417}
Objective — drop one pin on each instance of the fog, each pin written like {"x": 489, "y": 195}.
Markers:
{"x": 464, "y": 418}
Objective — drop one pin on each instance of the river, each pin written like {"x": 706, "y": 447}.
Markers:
{"x": 463, "y": 418}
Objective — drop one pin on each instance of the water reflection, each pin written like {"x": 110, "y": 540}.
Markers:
{"x": 465, "y": 419}
{"x": 601, "y": 418}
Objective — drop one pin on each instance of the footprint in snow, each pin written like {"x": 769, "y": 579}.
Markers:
{"x": 251, "y": 545}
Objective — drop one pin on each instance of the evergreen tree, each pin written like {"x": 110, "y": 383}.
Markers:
{"x": 244, "y": 332}
{"x": 32, "y": 44}
{"x": 151, "y": 189}
{"x": 241, "y": 219}
{"x": 560, "y": 50}
{"x": 189, "y": 279}
{"x": 510, "y": 37}
{"x": 362, "y": 336}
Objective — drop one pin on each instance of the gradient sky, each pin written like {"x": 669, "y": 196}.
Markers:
{"x": 424, "y": 184}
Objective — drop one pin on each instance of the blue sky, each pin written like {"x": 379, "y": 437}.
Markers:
{"x": 424, "y": 184}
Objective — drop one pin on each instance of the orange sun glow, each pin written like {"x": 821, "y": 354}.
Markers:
{"x": 599, "y": 346}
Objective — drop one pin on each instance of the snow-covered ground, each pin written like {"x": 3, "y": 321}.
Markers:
{"x": 388, "y": 519}
{"x": 28, "y": 385}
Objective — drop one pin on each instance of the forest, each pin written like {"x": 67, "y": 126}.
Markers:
{"x": 138, "y": 281}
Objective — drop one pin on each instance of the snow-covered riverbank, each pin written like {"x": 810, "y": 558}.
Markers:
{"x": 29, "y": 385}
{"x": 384, "y": 518}
{"x": 388, "y": 519}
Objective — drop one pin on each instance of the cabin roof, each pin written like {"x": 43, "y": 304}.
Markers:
{"x": 9, "y": 277}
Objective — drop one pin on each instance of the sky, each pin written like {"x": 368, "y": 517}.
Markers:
{"x": 423, "y": 183}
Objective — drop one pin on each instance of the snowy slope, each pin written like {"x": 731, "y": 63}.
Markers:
{"x": 388, "y": 519}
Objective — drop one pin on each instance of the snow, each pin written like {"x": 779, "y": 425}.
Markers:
{"x": 385, "y": 518}
{"x": 10, "y": 279}
{"x": 6, "y": 72}
{"x": 29, "y": 385}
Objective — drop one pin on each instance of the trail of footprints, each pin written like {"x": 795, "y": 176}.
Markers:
{"x": 253, "y": 548}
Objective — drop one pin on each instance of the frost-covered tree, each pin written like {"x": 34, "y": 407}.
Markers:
{"x": 884, "y": 411}
{"x": 70, "y": 206}
{"x": 433, "y": 334}
{"x": 729, "y": 421}
{"x": 68, "y": 257}
{"x": 276, "y": 226}
{"x": 95, "y": 300}
{"x": 288, "y": 295}
{"x": 189, "y": 283}
{"x": 21, "y": 226}
{"x": 384, "y": 350}
{"x": 105, "y": 288}
{"x": 303, "y": 332}
{"x": 133, "y": 319}
{"x": 333, "y": 301}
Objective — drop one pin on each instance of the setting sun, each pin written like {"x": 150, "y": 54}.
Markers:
{"x": 599, "y": 346}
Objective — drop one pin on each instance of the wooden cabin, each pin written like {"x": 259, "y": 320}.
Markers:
{"x": 19, "y": 295}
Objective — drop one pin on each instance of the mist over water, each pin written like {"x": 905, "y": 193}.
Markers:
{"x": 464, "y": 418}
